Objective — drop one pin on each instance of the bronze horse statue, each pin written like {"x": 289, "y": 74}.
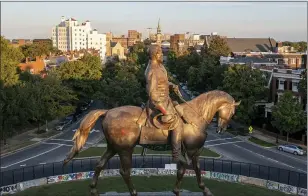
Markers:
{"x": 122, "y": 134}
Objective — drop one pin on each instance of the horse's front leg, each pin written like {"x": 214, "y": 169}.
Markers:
{"x": 179, "y": 178}
{"x": 100, "y": 165}
{"x": 125, "y": 170}
{"x": 196, "y": 166}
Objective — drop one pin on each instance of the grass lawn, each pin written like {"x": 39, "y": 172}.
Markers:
{"x": 261, "y": 142}
{"x": 146, "y": 184}
{"x": 98, "y": 151}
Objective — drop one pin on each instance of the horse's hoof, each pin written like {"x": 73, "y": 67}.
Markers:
{"x": 176, "y": 192}
{"x": 207, "y": 192}
{"x": 94, "y": 192}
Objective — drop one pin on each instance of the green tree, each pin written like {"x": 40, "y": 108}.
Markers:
{"x": 302, "y": 85}
{"x": 245, "y": 84}
{"x": 288, "y": 115}
{"x": 51, "y": 99}
{"x": 81, "y": 76}
{"x": 218, "y": 47}
{"x": 10, "y": 58}
{"x": 38, "y": 49}
{"x": 298, "y": 46}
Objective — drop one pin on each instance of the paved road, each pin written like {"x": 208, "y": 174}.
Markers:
{"x": 237, "y": 149}
{"x": 52, "y": 150}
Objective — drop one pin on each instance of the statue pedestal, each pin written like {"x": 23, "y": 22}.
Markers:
{"x": 166, "y": 193}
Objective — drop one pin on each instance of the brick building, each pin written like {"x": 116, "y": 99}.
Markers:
{"x": 20, "y": 42}
{"x": 42, "y": 41}
{"x": 175, "y": 40}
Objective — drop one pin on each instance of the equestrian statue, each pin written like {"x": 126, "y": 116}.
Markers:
{"x": 161, "y": 122}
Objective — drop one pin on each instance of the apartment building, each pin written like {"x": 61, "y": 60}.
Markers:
{"x": 70, "y": 35}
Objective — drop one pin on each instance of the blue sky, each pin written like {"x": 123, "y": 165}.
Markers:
{"x": 282, "y": 21}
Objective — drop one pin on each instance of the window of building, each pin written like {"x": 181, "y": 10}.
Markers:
{"x": 79, "y": 29}
{"x": 294, "y": 86}
{"x": 118, "y": 52}
{"x": 303, "y": 61}
{"x": 293, "y": 61}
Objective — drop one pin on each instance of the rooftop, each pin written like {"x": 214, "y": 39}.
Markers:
{"x": 251, "y": 44}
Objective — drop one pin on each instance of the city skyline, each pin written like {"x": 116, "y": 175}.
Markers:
{"x": 281, "y": 21}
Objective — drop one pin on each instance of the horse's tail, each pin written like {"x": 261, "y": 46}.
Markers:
{"x": 82, "y": 133}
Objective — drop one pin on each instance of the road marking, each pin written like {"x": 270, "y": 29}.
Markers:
{"x": 279, "y": 162}
{"x": 42, "y": 163}
{"x": 220, "y": 139}
{"x": 32, "y": 157}
{"x": 62, "y": 140}
{"x": 286, "y": 155}
{"x": 56, "y": 144}
{"x": 92, "y": 131}
{"x": 222, "y": 143}
{"x": 79, "y": 120}
{"x": 24, "y": 165}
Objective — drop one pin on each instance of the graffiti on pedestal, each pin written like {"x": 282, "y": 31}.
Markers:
{"x": 167, "y": 172}
{"x": 272, "y": 185}
{"x": 302, "y": 192}
{"x": 10, "y": 189}
{"x": 144, "y": 172}
{"x": 110, "y": 172}
{"x": 287, "y": 188}
{"x": 224, "y": 176}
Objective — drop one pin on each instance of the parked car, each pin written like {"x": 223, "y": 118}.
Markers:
{"x": 291, "y": 148}
{"x": 184, "y": 87}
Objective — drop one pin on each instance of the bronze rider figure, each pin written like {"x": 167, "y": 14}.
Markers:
{"x": 159, "y": 99}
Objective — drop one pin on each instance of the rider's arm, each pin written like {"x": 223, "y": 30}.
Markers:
{"x": 176, "y": 89}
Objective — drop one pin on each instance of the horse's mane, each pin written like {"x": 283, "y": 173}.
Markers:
{"x": 206, "y": 102}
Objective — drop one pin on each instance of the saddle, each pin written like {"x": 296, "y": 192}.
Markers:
{"x": 153, "y": 130}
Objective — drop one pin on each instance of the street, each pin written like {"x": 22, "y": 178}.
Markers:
{"x": 237, "y": 149}
{"x": 52, "y": 150}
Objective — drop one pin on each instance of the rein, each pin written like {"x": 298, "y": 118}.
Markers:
{"x": 195, "y": 111}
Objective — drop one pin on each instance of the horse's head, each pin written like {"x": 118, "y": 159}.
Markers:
{"x": 225, "y": 113}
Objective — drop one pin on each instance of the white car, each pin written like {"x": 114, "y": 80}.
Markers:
{"x": 291, "y": 148}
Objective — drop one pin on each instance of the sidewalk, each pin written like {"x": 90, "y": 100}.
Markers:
{"x": 267, "y": 138}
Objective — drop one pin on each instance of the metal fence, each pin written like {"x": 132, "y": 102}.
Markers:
{"x": 156, "y": 161}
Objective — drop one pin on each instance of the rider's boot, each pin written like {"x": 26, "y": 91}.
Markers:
{"x": 177, "y": 156}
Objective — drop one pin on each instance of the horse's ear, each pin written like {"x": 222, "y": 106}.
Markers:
{"x": 237, "y": 103}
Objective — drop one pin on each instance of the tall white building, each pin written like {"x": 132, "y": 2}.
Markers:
{"x": 71, "y": 35}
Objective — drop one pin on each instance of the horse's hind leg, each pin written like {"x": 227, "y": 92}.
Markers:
{"x": 196, "y": 166}
{"x": 179, "y": 178}
{"x": 125, "y": 170}
{"x": 108, "y": 154}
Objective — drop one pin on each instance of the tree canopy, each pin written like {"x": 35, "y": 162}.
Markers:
{"x": 298, "y": 46}
{"x": 288, "y": 115}
{"x": 10, "y": 58}
{"x": 245, "y": 84}
{"x": 217, "y": 47}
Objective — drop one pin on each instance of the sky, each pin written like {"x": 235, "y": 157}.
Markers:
{"x": 280, "y": 20}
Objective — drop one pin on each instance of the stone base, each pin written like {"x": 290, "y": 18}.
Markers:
{"x": 166, "y": 193}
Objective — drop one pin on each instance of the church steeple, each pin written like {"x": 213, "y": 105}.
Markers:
{"x": 158, "y": 27}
